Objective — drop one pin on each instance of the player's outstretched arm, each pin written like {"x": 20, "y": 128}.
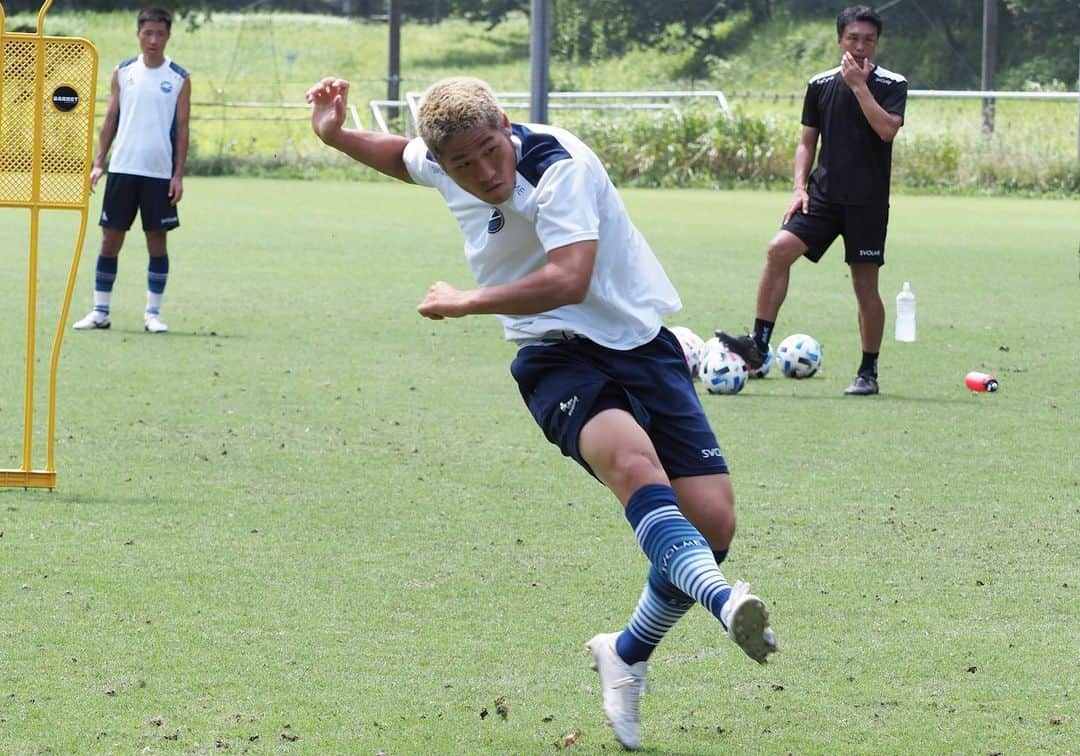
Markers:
{"x": 383, "y": 152}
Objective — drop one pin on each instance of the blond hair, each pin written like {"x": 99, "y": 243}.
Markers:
{"x": 454, "y": 105}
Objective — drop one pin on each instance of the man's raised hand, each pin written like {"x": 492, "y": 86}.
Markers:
{"x": 328, "y": 99}
{"x": 854, "y": 72}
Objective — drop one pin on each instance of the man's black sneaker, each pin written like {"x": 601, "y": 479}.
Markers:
{"x": 864, "y": 385}
{"x": 745, "y": 347}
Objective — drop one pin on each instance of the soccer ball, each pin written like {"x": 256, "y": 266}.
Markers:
{"x": 723, "y": 372}
{"x": 799, "y": 355}
{"x": 711, "y": 345}
{"x": 693, "y": 347}
{"x": 763, "y": 370}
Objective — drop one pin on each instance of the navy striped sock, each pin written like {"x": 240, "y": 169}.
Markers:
{"x": 675, "y": 547}
{"x": 157, "y": 274}
{"x": 104, "y": 277}
{"x": 661, "y": 605}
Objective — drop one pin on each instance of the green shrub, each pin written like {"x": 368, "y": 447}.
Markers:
{"x": 927, "y": 162}
{"x": 696, "y": 147}
{"x": 982, "y": 164}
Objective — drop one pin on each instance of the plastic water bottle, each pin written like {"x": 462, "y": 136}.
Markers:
{"x": 980, "y": 382}
{"x": 905, "y": 314}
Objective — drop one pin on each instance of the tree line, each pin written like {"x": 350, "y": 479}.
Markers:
{"x": 939, "y": 40}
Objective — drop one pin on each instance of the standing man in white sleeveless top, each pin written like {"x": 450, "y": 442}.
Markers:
{"x": 147, "y": 122}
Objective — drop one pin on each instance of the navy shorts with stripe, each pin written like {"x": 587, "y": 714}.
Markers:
{"x": 126, "y": 193}
{"x": 566, "y": 382}
{"x": 863, "y": 229}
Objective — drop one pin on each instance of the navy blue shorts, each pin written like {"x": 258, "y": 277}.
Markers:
{"x": 126, "y": 193}
{"x": 565, "y": 383}
{"x": 863, "y": 229}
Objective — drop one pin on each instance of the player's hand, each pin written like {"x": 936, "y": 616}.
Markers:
{"x": 854, "y": 73}
{"x": 328, "y": 99}
{"x": 176, "y": 190}
{"x": 443, "y": 301}
{"x": 95, "y": 176}
{"x": 800, "y": 203}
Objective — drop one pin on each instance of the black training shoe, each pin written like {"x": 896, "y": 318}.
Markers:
{"x": 864, "y": 385}
{"x": 745, "y": 347}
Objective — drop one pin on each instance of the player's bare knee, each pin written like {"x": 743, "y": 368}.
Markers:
{"x": 632, "y": 468}
{"x": 780, "y": 255}
{"x": 717, "y": 524}
{"x": 724, "y": 530}
{"x": 868, "y": 297}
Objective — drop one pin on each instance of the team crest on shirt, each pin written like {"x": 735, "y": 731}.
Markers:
{"x": 166, "y": 86}
{"x": 496, "y": 221}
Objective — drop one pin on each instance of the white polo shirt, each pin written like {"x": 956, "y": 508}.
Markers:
{"x": 562, "y": 195}
{"x": 146, "y": 131}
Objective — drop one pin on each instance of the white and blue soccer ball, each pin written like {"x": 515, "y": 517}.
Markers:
{"x": 711, "y": 346}
{"x": 763, "y": 370}
{"x": 723, "y": 371}
{"x": 693, "y": 347}
{"x": 799, "y": 355}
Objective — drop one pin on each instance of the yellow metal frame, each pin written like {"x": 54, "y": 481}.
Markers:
{"x": 45, "y": 167}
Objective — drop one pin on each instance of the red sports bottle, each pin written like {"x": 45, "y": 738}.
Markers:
{"x": 977, "y": 381}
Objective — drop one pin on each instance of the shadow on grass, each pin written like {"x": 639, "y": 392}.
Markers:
{"x": 654, "y": 751}
{"x": 918, "y": 399}
{"x": 173, "y": 334}
{"x": 841, "y": 399}
{"x": 15, "y": 497}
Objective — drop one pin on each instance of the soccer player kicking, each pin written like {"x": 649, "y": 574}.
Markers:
{"x": 580, "y": 292}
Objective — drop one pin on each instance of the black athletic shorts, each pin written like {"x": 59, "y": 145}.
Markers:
{"x": 126, "y": 193}
{"x": 863, "y": 229}
{"x": 566, "y": 382}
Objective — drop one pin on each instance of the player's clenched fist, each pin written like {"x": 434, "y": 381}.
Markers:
{"x": 443, "y": 301}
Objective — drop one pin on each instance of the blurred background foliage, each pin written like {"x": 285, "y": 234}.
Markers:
{"x": 940, "y": 41}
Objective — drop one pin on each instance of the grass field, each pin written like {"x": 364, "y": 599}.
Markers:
{"x": 308, "y": 521}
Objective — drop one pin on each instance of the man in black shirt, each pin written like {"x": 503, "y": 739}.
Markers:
{"x": 855, "y": 109}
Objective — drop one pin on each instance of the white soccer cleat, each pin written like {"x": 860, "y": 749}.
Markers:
{"x": 93, "y": 319}
{"x": 748, "y": 623}
{"x": 623, "y": 685}
{"x": 154, "y": 324}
